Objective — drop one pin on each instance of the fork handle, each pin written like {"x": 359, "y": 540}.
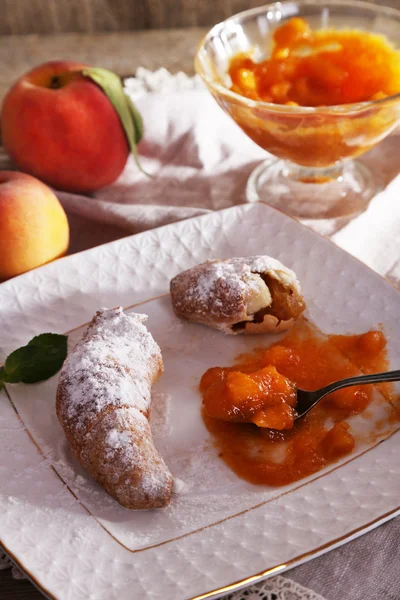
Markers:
{"x": 360, "y": 379}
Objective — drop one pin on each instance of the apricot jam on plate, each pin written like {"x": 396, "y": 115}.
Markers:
{"x": 325, "y": 67}
{"x": 264, "y": 397}
{"x": 249, "y": 407}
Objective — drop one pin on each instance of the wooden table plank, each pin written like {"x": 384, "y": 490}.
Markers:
{"x": 17, "y": 589}
{"x": 90, "y": 16}
{"x": 173, "y": 49}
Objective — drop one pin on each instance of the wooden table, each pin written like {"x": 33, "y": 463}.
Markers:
{"x": 173, "y": 49}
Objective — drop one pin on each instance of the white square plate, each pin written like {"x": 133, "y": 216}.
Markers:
{"x": 219, "y": 532}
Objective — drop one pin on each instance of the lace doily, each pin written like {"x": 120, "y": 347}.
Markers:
{"x": 275, "y": 588}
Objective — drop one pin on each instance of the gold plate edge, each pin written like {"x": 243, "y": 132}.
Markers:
{"x": 263, "y": 574}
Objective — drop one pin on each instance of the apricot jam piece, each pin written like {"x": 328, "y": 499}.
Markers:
{"x": 216, "y": 402}
{"x": 371, "y": 343}
{"x": 368, "y": 352}
{"x": 319, "y": 68}
{"x": 212, "y": 376}
{"x": 232, "y": 397}
{"x": 338, "y": 441}
{"x": 291, "y": 32}
{"x": 352, "y": 399}
{"x": 238, "y": 397}
{"x": 280, "y": 356}
{"x": 275, "y": 387}
{"x": 243, "y": 391}
{"x": 280, "y": 416}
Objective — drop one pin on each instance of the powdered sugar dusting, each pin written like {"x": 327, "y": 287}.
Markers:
{"x": 103, "y": 402}
{"x": 218, "y": 292}
{"x": 243, "y": 272}
{"x": 130, "y": 458}
{"x": 117, "y": 439}
{"x": 110, "y": 366}
{"x": 231, "y": 276}
{"x": 160, "y": 417}
{"x": 179, "y": 486}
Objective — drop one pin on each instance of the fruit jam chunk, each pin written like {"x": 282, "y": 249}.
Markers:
{"x": 319, "y": 68}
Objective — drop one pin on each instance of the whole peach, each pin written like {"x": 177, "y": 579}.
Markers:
{"x": 59, "y": 126}
{"x": 33, "y": 225}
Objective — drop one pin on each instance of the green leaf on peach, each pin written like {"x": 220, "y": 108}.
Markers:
{"x": 129, "y": 116}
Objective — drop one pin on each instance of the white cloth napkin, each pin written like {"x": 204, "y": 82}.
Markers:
{"x": 201, "y": 160}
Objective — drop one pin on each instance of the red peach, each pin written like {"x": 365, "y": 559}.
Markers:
{"x": 60, "y": 127}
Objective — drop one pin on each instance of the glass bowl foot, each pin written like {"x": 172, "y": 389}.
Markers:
{"x": 339, "y": 192}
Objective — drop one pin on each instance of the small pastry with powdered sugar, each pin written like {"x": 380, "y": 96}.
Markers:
{"x": 254, "y": 294}
{"x": 103, "y": 405}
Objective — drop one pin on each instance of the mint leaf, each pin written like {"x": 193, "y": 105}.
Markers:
{"x": 19, "y": 362}
{"x": 128, "y": 114}
{"x": 51, "y": 342}
{"x": 40, "y": 359}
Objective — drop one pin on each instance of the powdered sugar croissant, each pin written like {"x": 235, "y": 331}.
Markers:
{"x": 254, "y": 294}
{"x": 103, "y": 404}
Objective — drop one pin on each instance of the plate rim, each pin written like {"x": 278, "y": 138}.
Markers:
{"x": 294, "y": 561}
{"x": 252, "y": 579}
{"x": 62, "y": 259}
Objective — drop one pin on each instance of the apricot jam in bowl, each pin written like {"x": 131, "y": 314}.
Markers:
{"x": 315, "y": 84}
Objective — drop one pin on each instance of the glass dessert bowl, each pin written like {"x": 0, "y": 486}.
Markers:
{"x": 313, "y": 174}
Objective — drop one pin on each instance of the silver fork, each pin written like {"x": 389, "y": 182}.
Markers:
{"x": 306, "y": 400}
